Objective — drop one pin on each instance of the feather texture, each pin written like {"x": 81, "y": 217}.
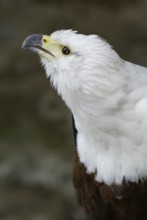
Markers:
{"x": 108, "y": 99}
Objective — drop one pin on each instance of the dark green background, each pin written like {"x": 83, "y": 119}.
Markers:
{"x": 36, "y": 144}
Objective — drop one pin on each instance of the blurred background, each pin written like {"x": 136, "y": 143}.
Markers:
{"x": 36, "y": 143}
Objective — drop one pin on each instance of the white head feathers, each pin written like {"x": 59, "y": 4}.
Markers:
{"x": 92, "y": 62}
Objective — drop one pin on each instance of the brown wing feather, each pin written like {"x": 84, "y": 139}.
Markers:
{"x": 127, "y": 201}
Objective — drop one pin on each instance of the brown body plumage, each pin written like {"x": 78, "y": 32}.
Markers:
{"x": 127, "y": 201}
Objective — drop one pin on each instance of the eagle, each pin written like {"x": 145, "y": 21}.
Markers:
{"x": 107, "y": 97}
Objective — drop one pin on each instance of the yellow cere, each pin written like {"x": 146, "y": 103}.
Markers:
{"x": 53, "y": 46}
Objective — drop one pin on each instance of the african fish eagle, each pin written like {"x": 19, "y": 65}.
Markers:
{"x": 108, "y": 100}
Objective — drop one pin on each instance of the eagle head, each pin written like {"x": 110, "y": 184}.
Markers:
{"x": 75, "y": 63}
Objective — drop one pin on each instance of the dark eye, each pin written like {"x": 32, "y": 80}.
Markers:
{"x": 65, "y": 50}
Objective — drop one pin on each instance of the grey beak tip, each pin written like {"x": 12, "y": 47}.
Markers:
{"x": 32, "y": 40}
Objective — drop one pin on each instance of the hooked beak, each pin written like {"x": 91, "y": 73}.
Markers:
{"x": 37, "y": 43}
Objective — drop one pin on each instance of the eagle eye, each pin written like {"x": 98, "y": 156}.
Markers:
{"x": 65, "y": 50}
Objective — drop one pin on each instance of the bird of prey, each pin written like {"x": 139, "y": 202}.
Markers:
{"x": 107, "y": 97}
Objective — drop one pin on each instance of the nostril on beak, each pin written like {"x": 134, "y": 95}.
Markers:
{"x": 44, "y": 40}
